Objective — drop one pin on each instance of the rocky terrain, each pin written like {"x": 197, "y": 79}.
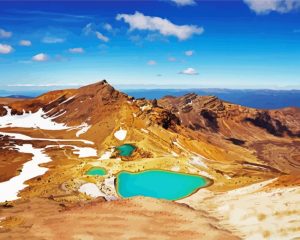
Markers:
{"x": 251, "y": 157}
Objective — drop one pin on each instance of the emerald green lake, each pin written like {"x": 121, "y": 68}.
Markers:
{"x": 125, "y": 150}
{"x": 96, "y": 172}
{"x": 158, "y": 184}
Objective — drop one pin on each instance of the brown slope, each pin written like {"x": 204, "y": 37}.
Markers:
{"x": 273, "y": 135}
{"x": 137, "y": 218}
{"x": 76, "y": 103}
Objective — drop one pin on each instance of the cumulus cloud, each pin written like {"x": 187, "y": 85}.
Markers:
{"x": 51, "y": 40}
{"x": 76, "y": 50}
{"x": 41, "y": 57}
{"x": 100, "y": 36}
{"x": 189, "y": 53}
{"x": 189, "y": 71}
{"x": 25, "y": 43}
{"x": 151, "y": 62}
{"x": 5, "y": 34}
{"x": 267, "y": 6}
{"x": 5, "y": 49}
{"x": 184, "y": 2}
{"x": 141, "y": 22}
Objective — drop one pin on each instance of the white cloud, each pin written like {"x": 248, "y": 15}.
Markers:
{"x": 267, "y": 6}
{"x": 88, "y": 29}
{"x": 189, "y": 71}
{"x": 76, "y": 50}
{"x": 107, "y": 27}
{"x": 189, "y": 53}
{"x": 184, "y": 2}
{"x": 51, "y": 40}
{"x": 25, "y": 43}
{"x": 151, "y": 62}
{"x": 5, "y": 49}
{"x": 41, "y": 57}
{"x": 100, "y": 36}
{"x": 5, "y": 34}
{"x": 163, "y": 26}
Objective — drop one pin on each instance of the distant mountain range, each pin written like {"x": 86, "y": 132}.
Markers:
{"x": 254, "y": 98}
{"x": 262, "y": 99}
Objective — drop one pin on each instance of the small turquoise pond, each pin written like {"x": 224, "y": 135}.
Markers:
{"x": 96, "y": 172}
{"x": 158, "y": 184}
{"x": 126, "y": 150}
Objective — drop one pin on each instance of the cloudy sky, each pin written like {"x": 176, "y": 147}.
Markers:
{"x": 184, "y": 43}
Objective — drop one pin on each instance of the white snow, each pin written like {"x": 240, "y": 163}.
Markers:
{"x": 83, "y": 152}
{"x": 110, "y": 184}
{"x": 67, "y": 100}
{"x": 178, "y": 145}
{"x": 84, "y": 128}
{"x": 9, "y": 190}
{"x": 107, "y": 154}
{"x": 30, "y": 120}
{"x": 91, "y": 190}
{"x": 145, "y": 108}
{"x": 198, "y": 161}
{"x": 205, "y": 174}
{"x": 144, "y": 130}
{"x": 25, "y": 137}
{"x": 120, "y": 134}
{"x": 174, "y": 154}
{"x": 58, "y": 114}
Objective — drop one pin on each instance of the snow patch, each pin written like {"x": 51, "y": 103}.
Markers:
{"x": 107, "y": 154}
{"x": 198, "y": 161}
{"x": 205, "y": 174}
{"x": 83, "y": 152}
{"x": 25, "y": 137}
{"x": 120, "y": 134}
{"x": 84, "y": 128}
{"x": 9, "y": 190}
{"x": 30, "y": 120}
{"x": 145, "y": 108}
{"x": 67, "y": 100}
{"x": 91, "y": 190}
{"x": 144, "y": 130}
{"x": 174, "y": 154}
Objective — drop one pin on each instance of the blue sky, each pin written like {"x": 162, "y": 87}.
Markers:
{"x": 169, "y": 43}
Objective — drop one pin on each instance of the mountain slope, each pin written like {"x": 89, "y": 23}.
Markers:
{"x": 63, "y": 134}
{"x": 272, "y": 134}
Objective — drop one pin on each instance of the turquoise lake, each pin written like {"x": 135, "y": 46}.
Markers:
{"x": 126, "y": 150}
{"x": 158, "y": 184}
{"x": 96, "y": 172}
